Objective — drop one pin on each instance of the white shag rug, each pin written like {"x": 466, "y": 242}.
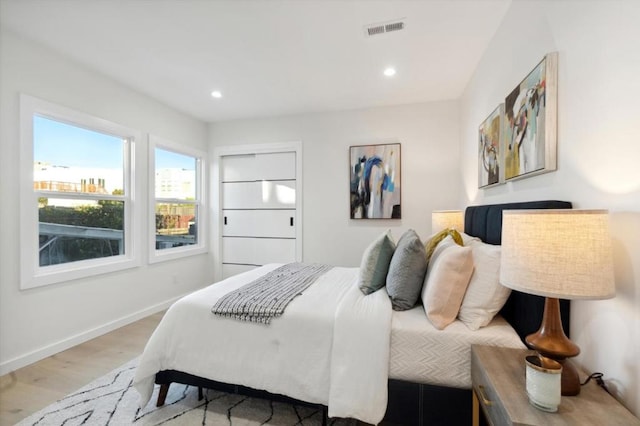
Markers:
{"x": 111, "y": 400}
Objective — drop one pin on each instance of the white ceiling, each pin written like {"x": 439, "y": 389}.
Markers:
{"x": 267, "y": 57}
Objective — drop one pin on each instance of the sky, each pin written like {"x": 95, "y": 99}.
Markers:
{"x": 62, "y": 144}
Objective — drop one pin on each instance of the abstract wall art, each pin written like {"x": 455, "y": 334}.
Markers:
{"x": 375, "y": 181}
{"x": 531, "y": 122}
{"x": 490, "y": 149}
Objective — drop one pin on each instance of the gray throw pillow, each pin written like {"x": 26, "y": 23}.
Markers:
{"x": 406, "y": 271}
{"x": 375, "y": 263}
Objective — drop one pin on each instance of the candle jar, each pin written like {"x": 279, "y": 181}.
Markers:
{"x": 543, "y": 382}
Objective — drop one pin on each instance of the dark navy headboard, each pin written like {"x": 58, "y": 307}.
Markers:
{"x": 523, "y": 311}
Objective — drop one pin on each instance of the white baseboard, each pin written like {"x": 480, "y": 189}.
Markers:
{"x": 46, "y": 351}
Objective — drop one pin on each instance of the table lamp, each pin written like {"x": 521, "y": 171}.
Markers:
{"x": 445, "y": 219}
{"x": 558, "y": 254}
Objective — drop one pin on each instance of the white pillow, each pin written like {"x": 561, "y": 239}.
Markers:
{"x": 485, "y": 295}
{"x": 466, "y": 238}
{"x": 448, "y": 275}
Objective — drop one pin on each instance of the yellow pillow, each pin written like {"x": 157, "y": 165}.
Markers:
{"x": 433, "y": 242}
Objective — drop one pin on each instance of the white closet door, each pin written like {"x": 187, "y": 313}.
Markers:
{"x": 259, "y": 210}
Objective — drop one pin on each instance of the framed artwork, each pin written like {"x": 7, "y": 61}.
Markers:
{"x": 375, "y": 181}
{"x": 531, "y": 122}
{"x": 490, "y": 148}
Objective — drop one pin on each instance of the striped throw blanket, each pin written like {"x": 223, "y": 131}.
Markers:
{"x": 268, "y": 296}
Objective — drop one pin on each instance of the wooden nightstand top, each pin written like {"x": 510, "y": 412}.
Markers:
{"x": 498, "y": 376}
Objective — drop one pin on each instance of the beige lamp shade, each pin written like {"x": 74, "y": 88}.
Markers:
{"x": 563, "y": 254}
{"x": 445, "y": 219}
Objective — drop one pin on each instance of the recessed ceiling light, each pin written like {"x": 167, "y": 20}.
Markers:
{"x": 216, "y": 94}
{"x": 390, "y": 72}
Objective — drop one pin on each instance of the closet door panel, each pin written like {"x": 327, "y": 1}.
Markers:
{"x": 239, "y": 250}
{"x": 229, "y": 270}
{"x": 271, "y": 250}
{"x": 259, "y": 223}
{"x": 238, "y": 168}
{"x": 277, "y": 194}
{"x": 275, "y": 166}
{"x": 258, "y": 251}
{"x": 241, "y": 195}
{"x": 259, "y": 195}
{"x": 238, "y": 223}
{"x": 275, "y": 223}
{"x": 271, "y": 166}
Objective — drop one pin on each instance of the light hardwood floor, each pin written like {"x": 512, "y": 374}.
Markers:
{"x": 32, "y": 388}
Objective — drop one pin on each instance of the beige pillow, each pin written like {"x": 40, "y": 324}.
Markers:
{"x": 485, "y": 295}
{"x": 447, "y": 278}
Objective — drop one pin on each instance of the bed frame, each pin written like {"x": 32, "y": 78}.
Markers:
{"x": 416, "y": 403}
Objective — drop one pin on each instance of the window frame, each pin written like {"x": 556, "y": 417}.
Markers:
{"x": 32, "y": 274}
{"x": 201, "y": 247}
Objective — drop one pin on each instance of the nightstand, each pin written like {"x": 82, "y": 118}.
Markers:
{"x": 498, "y": 379}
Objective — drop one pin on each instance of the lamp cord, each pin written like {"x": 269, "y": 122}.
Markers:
{"x": 598, "y": 378}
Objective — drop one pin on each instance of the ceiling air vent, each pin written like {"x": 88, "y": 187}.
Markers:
{"x": 394, "y": 26}
{"x": 384, "y": 27}
{"x": 375, "y": 30}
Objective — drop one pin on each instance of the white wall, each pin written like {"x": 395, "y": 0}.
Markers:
{"x": 38, "y": 322}
{"x": 598, "y": 152}
{"x": 430, "y": 179}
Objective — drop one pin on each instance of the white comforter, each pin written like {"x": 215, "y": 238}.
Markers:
{"x": 330, "y": 347}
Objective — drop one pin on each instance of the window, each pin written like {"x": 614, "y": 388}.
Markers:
{"x": 77, "y": 203}
{"x": 177, "y": 206}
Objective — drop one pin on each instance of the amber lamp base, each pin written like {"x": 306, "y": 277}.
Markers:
{"x": 550, "y": 341}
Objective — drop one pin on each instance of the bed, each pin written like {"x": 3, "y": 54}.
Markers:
{"x": 338, "y": 367}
